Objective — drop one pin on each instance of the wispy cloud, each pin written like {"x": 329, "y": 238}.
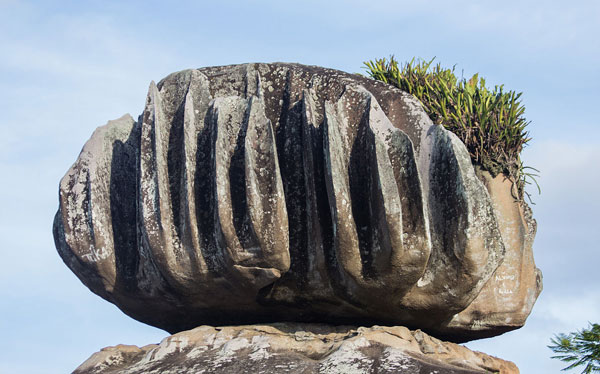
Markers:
{"x": 68, "y": 68}
{"x": 569, "y": 312}
{"x": 568, "y": 170}
{"x": 85, "y": 45}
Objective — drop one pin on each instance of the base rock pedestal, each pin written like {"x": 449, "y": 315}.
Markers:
{"x": 295, "y": 348}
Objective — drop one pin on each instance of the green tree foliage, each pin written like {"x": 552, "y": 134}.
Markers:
{"x": 581, "y": 348}
{"x": 490, "y": 123}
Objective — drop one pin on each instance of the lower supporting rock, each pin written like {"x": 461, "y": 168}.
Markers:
{"x": 295, "y": 348}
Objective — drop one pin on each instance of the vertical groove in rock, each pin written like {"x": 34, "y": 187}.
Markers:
{"x": 229, "y": 116}
{"x": 158, "y": 231}
{"x": 194, "y": 162}
{"x": 399, "y": 211}
{"x": 123, "y": 207}
{"x": 205, "y": 193}
{"x": 364, "y": 195}
{"x": 255, "y": 266}
{"x": 264, "y": 191}
{"x": 336, "y": 152}
{"x": 94, "y": 194}
{"x": 188, "y": 230}
{"x": 290, "y": 147}
{"x": 461, "y": 220}
{"x": 316, "y": 224}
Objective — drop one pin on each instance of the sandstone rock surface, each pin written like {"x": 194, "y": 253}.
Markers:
{"x": 282, "y": 192}
{"x": 295, "y": 348}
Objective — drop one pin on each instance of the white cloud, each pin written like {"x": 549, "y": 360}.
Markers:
{"x": 569, "y": 173}
{"x": 88, "y": 46}
{"x": 66, "y": 71}
{"x": 569, "y": 312}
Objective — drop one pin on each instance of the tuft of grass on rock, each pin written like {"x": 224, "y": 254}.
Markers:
{"x": 490, "y": 123}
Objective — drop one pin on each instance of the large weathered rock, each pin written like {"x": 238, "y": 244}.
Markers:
{"x": 282, "y": 192}
{"x": 295, "y": 348}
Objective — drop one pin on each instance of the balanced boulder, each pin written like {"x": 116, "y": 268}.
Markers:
{"x": 281, "y": 192}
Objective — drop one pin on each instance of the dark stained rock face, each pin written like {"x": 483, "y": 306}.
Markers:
{"x": 282, "y": 192}
{"x": 295, "y": 348}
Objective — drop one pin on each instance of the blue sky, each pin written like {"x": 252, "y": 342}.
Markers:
{"x": 67, "y": 67}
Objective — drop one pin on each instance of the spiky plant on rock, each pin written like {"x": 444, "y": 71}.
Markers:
{"x": 491, "y": 123}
